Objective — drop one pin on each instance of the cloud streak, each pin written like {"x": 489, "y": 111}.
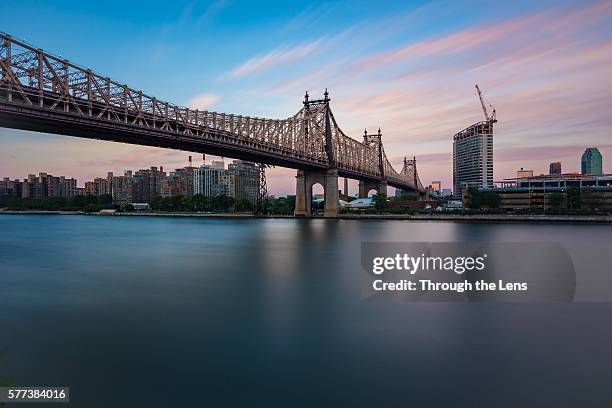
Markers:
{"x": 203, "y": 101}
{"x": 275, "y": 58}
{"x": 546, "y": 73}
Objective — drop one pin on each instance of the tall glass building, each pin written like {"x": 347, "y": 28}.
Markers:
{"x": 555, "y": 168}
{"x": 592, "y": 162}
{"x": 473, "y": 157}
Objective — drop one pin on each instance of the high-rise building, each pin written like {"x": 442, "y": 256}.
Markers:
{"x": 227, "y": 184}
{"x": 242, "y": 180}
{"x": 178, "y": 183}
{"x": 122, "y": 190}
{"x": 139, "y": 187}
{"x": 99, "y": 186}
{"x": 46, "y": 185}
{"x": 147, "y": 185}
{"x": 10, "y": 187}
{"x": 206, "y": 179}
{"x": 524, "y": 173}
{"x": 110, "y": 180}
{"x": 436, "y": 185}
{"x": 592, "y": 162}
{"x": 555, "y": 168}
{"x": 473, "y": 157}
{"x": 68, "y": 187}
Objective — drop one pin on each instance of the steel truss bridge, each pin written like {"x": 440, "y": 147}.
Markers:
{"x": 45, "y": 93}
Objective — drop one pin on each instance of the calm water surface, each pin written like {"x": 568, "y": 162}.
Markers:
{"x": 148, "y": 312}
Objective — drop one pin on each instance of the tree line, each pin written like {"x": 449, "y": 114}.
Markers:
{"x": 223, "y": 203}
{"x": 77, "y": 203}
{"x": 197, "y": 203}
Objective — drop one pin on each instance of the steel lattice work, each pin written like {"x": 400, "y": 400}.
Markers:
{"x": 42, "y": 92}
{"x": 262, "y": 190}
{"x": 409, "y": 172}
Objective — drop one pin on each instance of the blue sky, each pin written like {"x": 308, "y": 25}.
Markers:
{"x": 406, "y": 66}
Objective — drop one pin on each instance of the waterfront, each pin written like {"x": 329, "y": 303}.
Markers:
{"x": 151, "y": 311}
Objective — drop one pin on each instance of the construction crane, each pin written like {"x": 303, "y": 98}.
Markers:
{"x": 492, "y": 118}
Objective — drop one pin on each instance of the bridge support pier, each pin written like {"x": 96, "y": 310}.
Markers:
{"x": 366, "y": 186}
{"x": 304, "y": 180}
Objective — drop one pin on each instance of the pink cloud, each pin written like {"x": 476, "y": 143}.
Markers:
{"x": 203, "y": 101}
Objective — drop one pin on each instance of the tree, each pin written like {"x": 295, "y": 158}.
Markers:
{"x": 282, "y": 205}
{"x": 574, "y": 201}
{"x": 406, "y": 197}
{"x": 91, "y": 208}
{"x": 79, "y": 202}
{"x": 222, "y": 203}
{"x": 555, "y": 200}
{"x": 157, "y": 203}
{"x": 184, "y": 204}
{"x": 482, "y": 199}
{"x": 201, "y": 202}
{"x": 105, "y": 199}
{"x": 380, "y": 201}
{"x": 243, "y": 204}
{"x": 263, "y": 207}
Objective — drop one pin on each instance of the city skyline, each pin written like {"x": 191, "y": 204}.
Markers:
{"x": 543, "y": 67}
{"x": 240, "y": 181}
{"x": 211, "y": 161}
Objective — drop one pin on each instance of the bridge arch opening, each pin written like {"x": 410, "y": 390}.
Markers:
{"x": 372, "y": 192}
{"x": 317, "y": 189}
{"x": 317, "y": 194}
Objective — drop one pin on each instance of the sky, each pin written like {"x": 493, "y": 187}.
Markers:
{"x": 408, "y": 67}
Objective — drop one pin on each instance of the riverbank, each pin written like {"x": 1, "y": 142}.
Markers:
{"x": 519, "y": 218}
{"x": 523, "y": 218}
{"x": 135, "y": 214}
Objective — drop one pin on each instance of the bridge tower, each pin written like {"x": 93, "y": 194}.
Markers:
{"x": 327, "y": 178}
{"x": 379, "y": 186}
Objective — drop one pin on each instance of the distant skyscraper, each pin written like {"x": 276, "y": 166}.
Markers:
{"x": 592, "y": 162}
{"x": 555, "y": 168}
{"x": 436, "y": 185}
{"x": 473, "y": 157}
{"x": 524, "y": 173}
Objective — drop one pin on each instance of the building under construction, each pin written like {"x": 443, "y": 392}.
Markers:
{"x": 473, "y": 153}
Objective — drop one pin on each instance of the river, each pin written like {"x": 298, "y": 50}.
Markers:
{"x": 147, "y": 312}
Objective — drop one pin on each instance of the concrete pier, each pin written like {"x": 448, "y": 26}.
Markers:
{"x": 304, "y": 180}
{"x": 366, "y": 186}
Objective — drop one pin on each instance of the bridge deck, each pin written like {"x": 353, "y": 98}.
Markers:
{"x": 40, "y": 92}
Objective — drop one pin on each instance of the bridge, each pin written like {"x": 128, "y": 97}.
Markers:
{"x": 45, "y": 93}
